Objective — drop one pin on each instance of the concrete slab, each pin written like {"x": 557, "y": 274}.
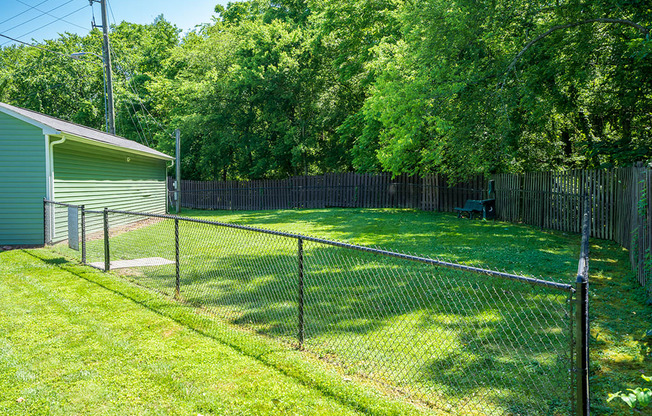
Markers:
{"x": 126, "y": 264}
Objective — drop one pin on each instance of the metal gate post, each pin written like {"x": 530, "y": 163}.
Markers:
{"x": 107, "y": 252}
{"x": 177, "y": 287}
{"x": 582, "y": 349}
{"x": 301, "y": 294}
{"x": 45, "y": 222}
{"x": 582, "y": 318}
{"x": 83, "y": 234}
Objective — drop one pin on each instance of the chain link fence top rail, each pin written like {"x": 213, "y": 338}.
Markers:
{"x": 461, "y": 339}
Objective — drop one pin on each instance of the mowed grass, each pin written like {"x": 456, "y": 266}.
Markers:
{"x": 492, "y": 348}
{"x": 76, "y": 341}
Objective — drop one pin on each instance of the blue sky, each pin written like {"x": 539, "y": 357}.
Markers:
{"x": 30, "y": 20}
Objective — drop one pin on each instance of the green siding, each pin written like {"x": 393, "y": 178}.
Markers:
{"x": 22, "y": 182}
{"x": 98, "y": 177}
{"x": 84, "y": 174}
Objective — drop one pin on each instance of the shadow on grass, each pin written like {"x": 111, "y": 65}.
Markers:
{"x": 498, "y": 245}
{"x": 472, "y": 340}
{"x": 268, "y": 354}
{"x": 476, "y": 342}
{"x": 54, "y": 262}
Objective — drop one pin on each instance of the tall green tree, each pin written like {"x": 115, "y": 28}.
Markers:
{"x": 509, "y": 86}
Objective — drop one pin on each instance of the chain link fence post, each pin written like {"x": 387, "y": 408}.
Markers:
{"x": 45, "y": 222}
{"x": 107, "y": 253}
{"x": 582, "y": 318}
{"x": 301, "y": 294}
{"x": 83, "y": 234}
{"x": 177, "y": 288}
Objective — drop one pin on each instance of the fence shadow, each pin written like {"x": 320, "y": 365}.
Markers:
{"x": 426, "y": 330}
{"x": 466, "y": 339}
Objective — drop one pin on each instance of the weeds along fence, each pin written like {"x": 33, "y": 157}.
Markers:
{"x": 621, "y": 201}
{"x": 459, "y": 338}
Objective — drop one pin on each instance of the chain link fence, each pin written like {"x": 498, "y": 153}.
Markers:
{"x": 460, "y": 339}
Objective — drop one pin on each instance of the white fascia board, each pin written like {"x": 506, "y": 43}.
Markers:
{"x": 114, "y": 147}
{"x": 47, "y": 130}
{"x": 48, "y": 193}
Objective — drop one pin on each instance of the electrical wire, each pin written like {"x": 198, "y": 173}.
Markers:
{"x": 115, "y": 22}
{"x": 137, "y": 123}
{"x": 129, "y": 81}
{"x": 142, "y": 105}
{"x": 144, "y": 136}
{"x": 140, "y": 138}
{"x": 23, "y": 12}
{"x": 40, "y": 15}
{"x": 48, "y": 24}
{"x": 35, "y": 46}
{"x": 51, "y": 15}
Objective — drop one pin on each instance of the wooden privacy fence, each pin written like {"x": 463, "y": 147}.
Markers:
{"x": 339, "y": 190}
{"x": 620, "y": 199}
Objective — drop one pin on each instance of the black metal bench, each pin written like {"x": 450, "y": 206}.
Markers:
{"x": 486, "y": 207}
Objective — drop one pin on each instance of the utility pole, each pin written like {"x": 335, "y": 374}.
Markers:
{"x": 107, "y": 65}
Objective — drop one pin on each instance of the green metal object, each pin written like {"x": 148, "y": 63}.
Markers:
{"x": 484, "y": 207}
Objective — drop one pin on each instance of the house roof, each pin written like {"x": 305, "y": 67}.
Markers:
{"x": 55, "y": 126}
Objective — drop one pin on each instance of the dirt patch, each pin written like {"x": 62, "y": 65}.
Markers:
{"x": 132, "y": 226}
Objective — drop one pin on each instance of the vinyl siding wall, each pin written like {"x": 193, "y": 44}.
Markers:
{"x": 22, "y": 182}
{"x": 99, "y": 177}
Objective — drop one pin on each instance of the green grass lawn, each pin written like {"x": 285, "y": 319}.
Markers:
{"x": 76, "y": 341}
{"x": 475, "y": 345}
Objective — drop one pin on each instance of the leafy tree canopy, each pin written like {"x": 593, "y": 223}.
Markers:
{"x": 277, "y": 88}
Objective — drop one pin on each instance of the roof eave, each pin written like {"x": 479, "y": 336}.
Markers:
{"x": 50, "y": 131}
{"x": 74, "y": 137}
{"x": 47, "y": 130}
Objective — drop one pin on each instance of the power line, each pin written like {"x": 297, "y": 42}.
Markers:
{"x": 142, "y": 105}
{"x": 137, "y": 119}
{"x": 34, "y": 46}
{"x": 48, "y": 24}
{"x": 135, "y": 92}
{"x": 115, "y": 22}
{"x": 129, "y": 81}
{"x": 133, "y": 88}
{"x": 24, "y": 11}
{"x": 136, "y": 123}
{"x": 136, "y": 126}
{"x": 41, "y": 11}
{"x": 40, "y": 15}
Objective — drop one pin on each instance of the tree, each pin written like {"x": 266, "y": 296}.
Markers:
{"x": 449, "y": 100}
